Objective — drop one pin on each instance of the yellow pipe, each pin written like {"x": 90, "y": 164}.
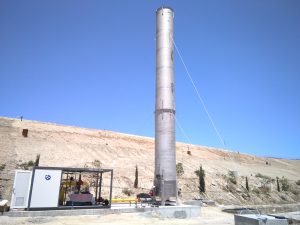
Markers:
{"x": 124, "y": 200}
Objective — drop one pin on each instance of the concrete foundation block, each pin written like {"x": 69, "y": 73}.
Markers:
{"x": 178, "y": 212}
{"x": 252, "y": 219}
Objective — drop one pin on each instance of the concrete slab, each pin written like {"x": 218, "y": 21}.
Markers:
{"x": 180, "y": 212}
{"x": 263, "y": 209}
{"x": 251, "y": 219}
{"x": 293, "y": 217}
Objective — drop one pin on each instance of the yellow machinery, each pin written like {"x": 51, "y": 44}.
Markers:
{"x": 68, "y": 187}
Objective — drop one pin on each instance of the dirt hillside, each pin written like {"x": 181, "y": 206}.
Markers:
{"x": 70, "y": 146}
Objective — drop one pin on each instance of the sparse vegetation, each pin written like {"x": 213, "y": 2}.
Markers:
{"x": 264, "y": 189}
{"x": 278, "y": 186}
{"x": 231, "y": 177}
{"x": 37, "y": 160}
{"x": 284, "y": 184}
{"x": 265, "y": 179}
{"x": 25, "y": 165}
{"x": 179, "y": 169}
{"x": 261, "y": 190}
{"x": 95, "y": 164}
{"x": 231, "y": 187}
{"x": 136, "y": 181}
{"x": 127, "y": 191}
{"x": 247, "y": 185}
{"x": 215, "y": 163}
{"x": 263, "y": 176}
{"x": 201, "y": 175}
{"x": 29, "y": 164}
{"x": 2, "y": 167}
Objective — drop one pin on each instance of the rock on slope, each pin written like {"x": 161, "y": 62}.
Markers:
{"x": 70, "y": 146}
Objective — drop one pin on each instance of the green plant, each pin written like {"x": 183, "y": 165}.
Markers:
{"x": 96, "y": 164}
{"x": 265, "y": 179}
{"x": 284, "y": 184}
{"x": 201, "y": 175}
{"x": 30, "y": 163}
{"x": 263, "y": 176}
{"x": 136, "y": 181}
{"x": 127, "y": 191}
{"x": 2, "y": 167}
{"x": 179, "y": 169}
{"x": 247, "y": 185}
{"x": 278, "y": 186}
{"x": 37, "y": 160}
{"x": 26, "y": 165}
{"x": 231, "y": 187}
{"x": 231, "y": 177}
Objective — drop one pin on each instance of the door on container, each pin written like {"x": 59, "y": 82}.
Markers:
{"x": 21, "y": 189}
{"x": 45, "y": 188}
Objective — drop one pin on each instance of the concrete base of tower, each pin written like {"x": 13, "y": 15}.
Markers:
{"x": 178, "y": 212}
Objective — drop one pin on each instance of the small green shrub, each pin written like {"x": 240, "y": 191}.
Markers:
{"x": 247, "y": 184}
{"x": 232, "y": 180}
{"x": 231, "y": 177}
{"x": 179, "y": 169}
{"x": 136, "y": 180}
{"x": 265, "y": 179}
{"x": 283, "y": 197}
{"x": 201, "y": 175}
{"x": 284, "y": 184}
{"x": 278, "y": 186}
{"x": 96, "y": 163}
{"x": 263, "y": 176}
{"x": 37, "y": 160}
{"x": 26, "y": 165}
{"x": 127, "y": 191}
{"x": 231, "y": 187}
{"x": 2, "y": 167}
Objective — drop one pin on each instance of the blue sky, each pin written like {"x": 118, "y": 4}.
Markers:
{"x": 92, "y": 64}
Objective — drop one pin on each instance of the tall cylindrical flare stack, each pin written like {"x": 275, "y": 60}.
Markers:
{"x": 165, "y": 149}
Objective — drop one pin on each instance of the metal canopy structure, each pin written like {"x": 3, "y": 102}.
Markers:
{"x": 69, "y": 188}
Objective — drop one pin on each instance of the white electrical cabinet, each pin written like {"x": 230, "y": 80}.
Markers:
{"x": 21, "y": 187}
{"x": 45, "y": 188}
